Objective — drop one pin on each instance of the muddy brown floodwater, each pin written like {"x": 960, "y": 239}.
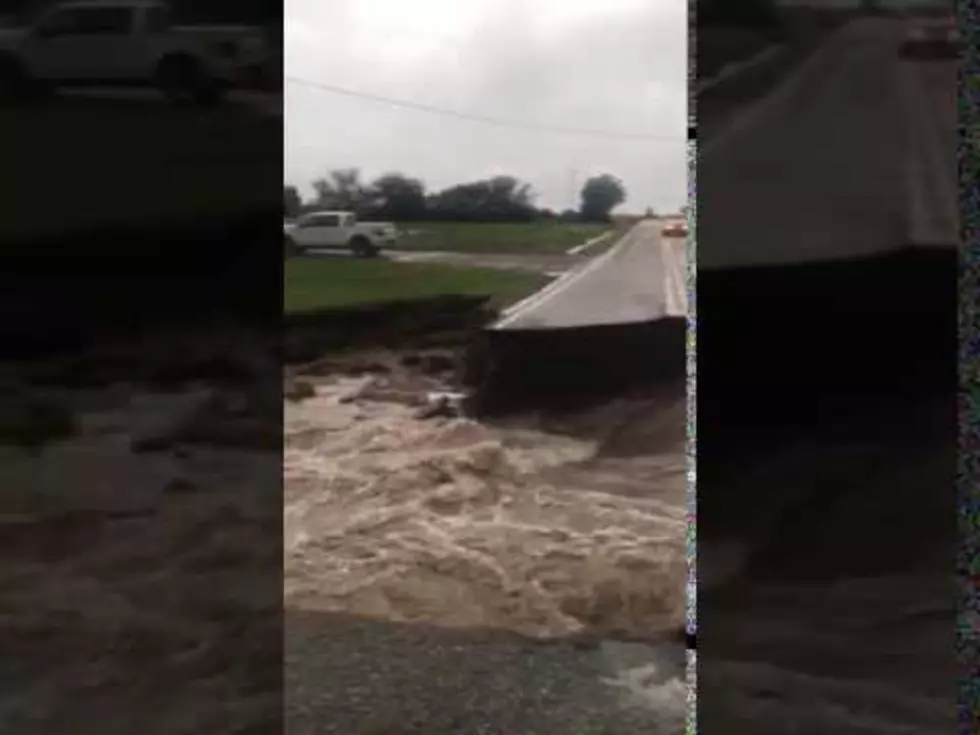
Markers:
{"x": 546, "y": 526}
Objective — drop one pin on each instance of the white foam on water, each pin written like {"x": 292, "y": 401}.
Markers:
{"x": 455, "y": 523}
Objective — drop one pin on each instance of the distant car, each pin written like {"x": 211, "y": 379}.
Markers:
{"x": 675, "y": 228}
{"x": 338, "y": 230}
{"x": 932, "y": 40}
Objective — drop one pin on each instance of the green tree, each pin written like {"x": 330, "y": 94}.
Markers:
{"x": 499, "y": 199}
{"x": 600, "y": 195}
{"x": 398, "y": 197}
{"x": 342, "y": 189}
{"x": 292, "y": 202}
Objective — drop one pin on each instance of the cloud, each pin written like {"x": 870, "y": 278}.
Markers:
{"x": 607, "y": 65}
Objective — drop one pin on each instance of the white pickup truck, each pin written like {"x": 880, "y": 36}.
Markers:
{"x": 338, "y": 230}
{"x": 119, "y": 43}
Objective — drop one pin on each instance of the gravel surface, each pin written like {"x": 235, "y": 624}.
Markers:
{"x": 345, "y": 675}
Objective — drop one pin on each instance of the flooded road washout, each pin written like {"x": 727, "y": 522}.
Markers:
{"x": 397, "y": 510}
{"x": 541, "y": 525}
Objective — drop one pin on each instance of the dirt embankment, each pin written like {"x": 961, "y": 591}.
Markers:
{"x": 448, "y": 321}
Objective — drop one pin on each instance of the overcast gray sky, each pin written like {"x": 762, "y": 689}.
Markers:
{"x": 608, "y": 65}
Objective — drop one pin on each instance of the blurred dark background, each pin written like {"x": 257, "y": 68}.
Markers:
{"x": 245, "y": 11}
{"x": 126, "y": 213}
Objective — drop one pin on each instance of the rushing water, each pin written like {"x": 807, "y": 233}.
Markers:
{"x": 545, "y": 527}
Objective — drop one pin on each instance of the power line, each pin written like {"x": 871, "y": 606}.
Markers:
{"x": 499, "y": 122}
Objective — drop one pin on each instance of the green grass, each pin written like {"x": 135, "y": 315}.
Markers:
{"x": 507, "y": 237}
{"x": 312, "y": 285}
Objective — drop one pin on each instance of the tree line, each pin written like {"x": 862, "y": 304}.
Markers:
{"x": 398, "y": 197}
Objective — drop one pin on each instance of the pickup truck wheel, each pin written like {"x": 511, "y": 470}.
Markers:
{"x": 363, "y": 248}
{"x": 290, "y": 248}
{"x": 183, "y": 81}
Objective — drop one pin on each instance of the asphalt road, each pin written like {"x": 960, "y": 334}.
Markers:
{"x": 641, "y": 279}
{"x": 852, "y": 155}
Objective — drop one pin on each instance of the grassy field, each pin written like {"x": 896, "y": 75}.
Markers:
{"x": 313, "y": 285}
{"x": 506, "y": 237}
